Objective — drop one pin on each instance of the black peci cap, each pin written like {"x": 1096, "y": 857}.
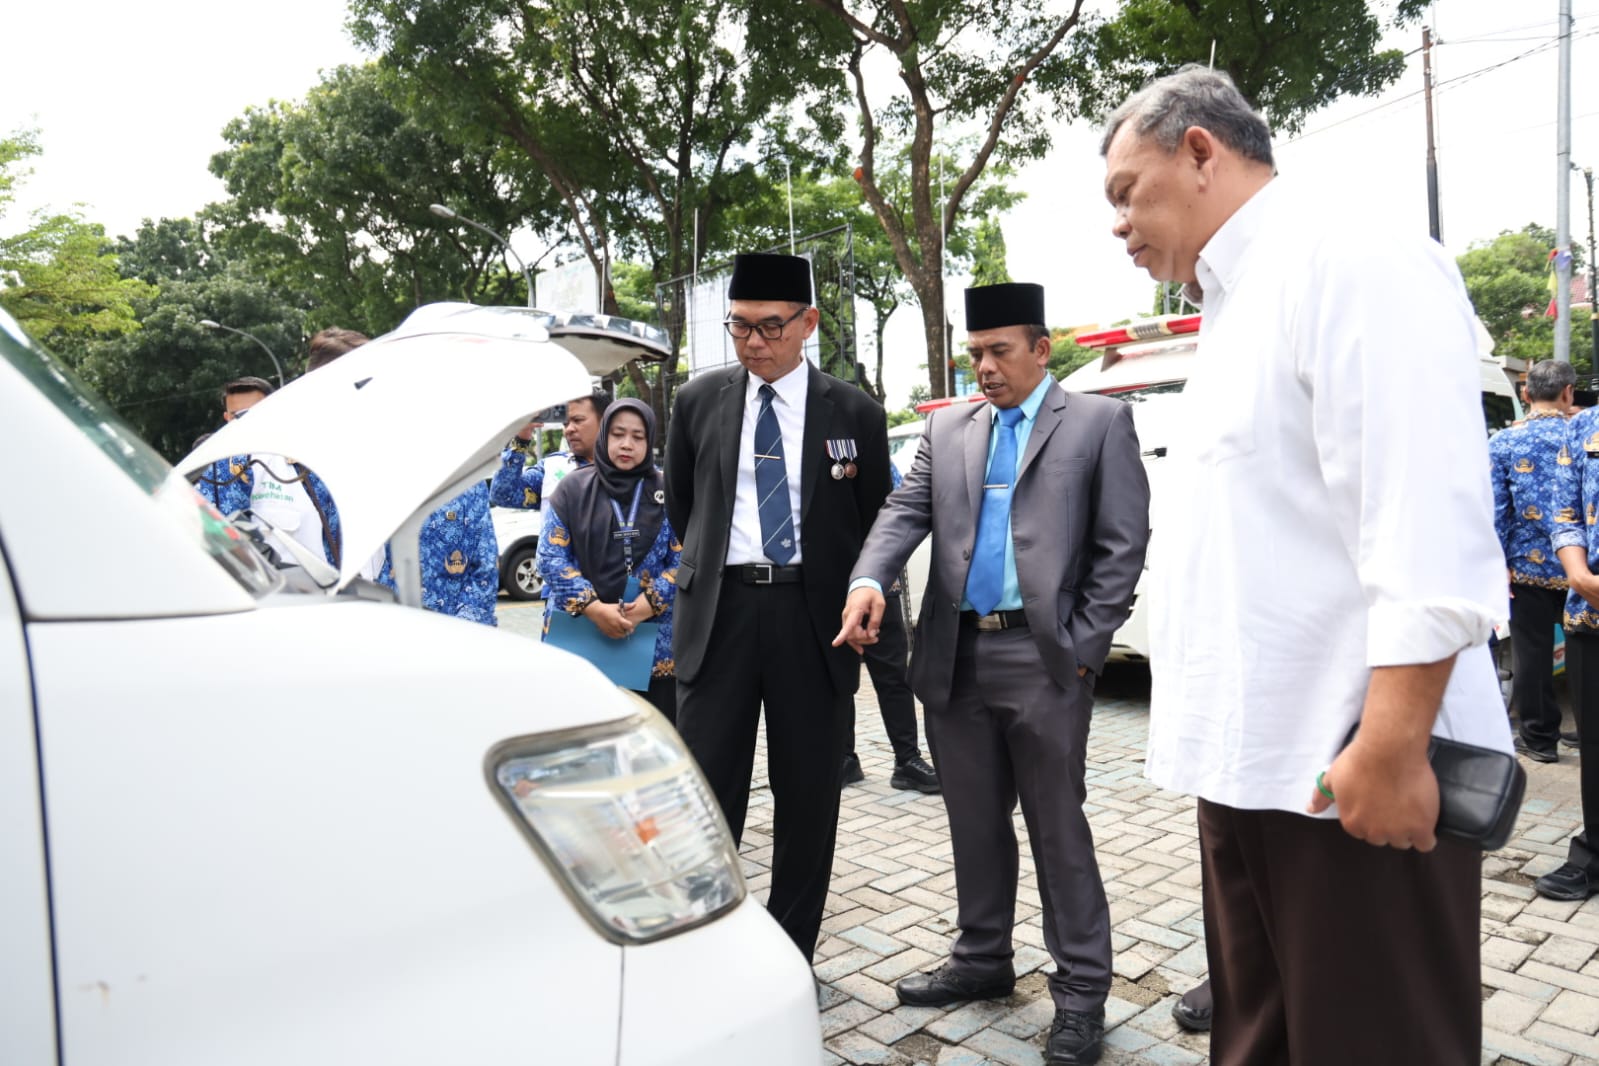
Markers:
{"x": 762, "y": 276}
{"x": 1015, "y": 303}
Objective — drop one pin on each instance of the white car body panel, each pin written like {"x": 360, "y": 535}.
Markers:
{"x": 768, "y": 1018}
{"x": 271, "y": 835}
{"x": 27, "y": 1010}
{"x": 331, "y": 875}
{"x": 165, "y": 576}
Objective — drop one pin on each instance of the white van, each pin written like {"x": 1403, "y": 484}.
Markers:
{"x": 251, "y": 820}
{"x": 1146, "y": 363}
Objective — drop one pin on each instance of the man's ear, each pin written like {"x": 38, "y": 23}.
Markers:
{"x": 1201, "y": 148}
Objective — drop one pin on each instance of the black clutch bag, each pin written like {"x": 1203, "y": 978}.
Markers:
{"x": 1479, "y": 791}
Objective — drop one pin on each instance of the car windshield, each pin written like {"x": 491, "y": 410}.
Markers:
{"x": 103, "y": 428}
{"x": 896, "y": 445}
{"x": 1140, "y": 393}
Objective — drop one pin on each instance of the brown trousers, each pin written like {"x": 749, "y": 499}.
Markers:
{"x": 1326, "y": 950}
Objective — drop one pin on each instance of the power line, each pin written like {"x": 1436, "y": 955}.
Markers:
{"x": 1497, "y": 36}
{"x": 1440, "y": 87}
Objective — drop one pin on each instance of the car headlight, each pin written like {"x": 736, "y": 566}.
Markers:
{"x": 623, "y": 816}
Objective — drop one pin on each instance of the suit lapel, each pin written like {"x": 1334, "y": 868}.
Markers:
{"x": 1048, "y": 420}
{"x": 730, "y": 412}
{"x": 818, "y": 416}
{"x": 978, "y": 424}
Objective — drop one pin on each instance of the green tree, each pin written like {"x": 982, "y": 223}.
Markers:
{"x": 1009, "y": 66}
{"x": 166, "y": 377}
{"x": 58, "y": 275}
{"x": 329, "y": 200}
{"x": 1291, "y": 57}
{"x": 988, "y": 254}
{"x": 1066, "y": 355}
{"x": 1507, "y": 278}
{"x": 1001, "y": 66}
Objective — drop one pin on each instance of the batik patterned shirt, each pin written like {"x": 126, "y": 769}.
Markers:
{"x": 1572, "y": 520}
{"x": 566, "y": 589}
{"x": 1524, "y": 460}
{"x": 460, "y": 559}
{"x": 226, "y": 484}
{"x": 520, "y": 484}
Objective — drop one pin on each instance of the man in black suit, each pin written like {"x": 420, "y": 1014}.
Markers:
{"x": 774, "y": 473}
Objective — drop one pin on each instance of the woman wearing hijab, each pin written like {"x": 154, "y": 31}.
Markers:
{"x": 607, "y": 553}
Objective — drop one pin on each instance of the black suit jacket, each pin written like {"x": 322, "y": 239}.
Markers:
{"x": 701, "y": 481}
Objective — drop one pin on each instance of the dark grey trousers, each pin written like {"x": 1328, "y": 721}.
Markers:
{"x": 1009, "y": 733}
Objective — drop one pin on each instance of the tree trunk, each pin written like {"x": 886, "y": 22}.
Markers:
{"x": 929, "y": 289}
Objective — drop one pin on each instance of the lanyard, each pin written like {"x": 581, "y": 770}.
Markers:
{"x": 627, "y": 529}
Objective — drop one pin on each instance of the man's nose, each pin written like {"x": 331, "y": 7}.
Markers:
{"x": 1119, "y": 226}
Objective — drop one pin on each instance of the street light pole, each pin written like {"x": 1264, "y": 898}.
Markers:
{"x": 1593, "y": 268}
{"x": 277, "y": 366}
{"x": 456, "y": 216}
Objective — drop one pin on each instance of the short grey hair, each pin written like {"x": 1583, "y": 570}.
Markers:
{"x": 1548, "y": 379}
{"x": 1167, "y": 107}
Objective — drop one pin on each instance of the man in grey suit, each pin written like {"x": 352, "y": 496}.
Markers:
{"x": 1039, "y": 509}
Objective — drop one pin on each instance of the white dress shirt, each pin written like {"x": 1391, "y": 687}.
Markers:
{"x": 1328, "y": 506}
{"x": 744, "y": 540}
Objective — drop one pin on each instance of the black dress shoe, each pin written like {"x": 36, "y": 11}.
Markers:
{"x": 945, "y": 985}
{"x": 1535, "y": 754}
{"x": 1194, "y": 1008}
{"x": 1571, "y": 738}
{"x": 915, "y": 773}
{"x": 852, "y": 771}
{"x": 1075, "y": 1037}
{"x": 1567, "y": 883}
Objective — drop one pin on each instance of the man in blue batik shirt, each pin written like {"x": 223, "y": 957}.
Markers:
{"x": 226, "y": 482}
{"x": 521, "y": 484}
{"x": 1574, "y": 524}
{"x": 1525, "y": 460}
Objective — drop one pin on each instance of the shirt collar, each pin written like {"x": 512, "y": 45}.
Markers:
{"x": 1224, "y": 255}
{"x": 790, "y": 388}
{"x": 1030, "y": 406}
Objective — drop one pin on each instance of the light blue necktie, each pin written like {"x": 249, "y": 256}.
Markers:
{"x": 985, "y": 580}
{"x": 771, "y": 484}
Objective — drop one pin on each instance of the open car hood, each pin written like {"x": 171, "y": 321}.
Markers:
{"x": 401, "y": 425}
{"x": 603, "y": 343}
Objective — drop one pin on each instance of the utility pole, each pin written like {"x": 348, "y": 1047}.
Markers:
{"x": 1433, "y": 225}
{"x": 1563, "y": 195}
{"x": 1593, "y": 268}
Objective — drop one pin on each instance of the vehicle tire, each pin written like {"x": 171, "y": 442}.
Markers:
{"x": 519, "y": 577}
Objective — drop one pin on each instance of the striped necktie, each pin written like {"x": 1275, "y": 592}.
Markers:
{"x": 771, "y": 484}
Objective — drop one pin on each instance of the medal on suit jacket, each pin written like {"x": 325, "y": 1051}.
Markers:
{"x": 842, "y": 452}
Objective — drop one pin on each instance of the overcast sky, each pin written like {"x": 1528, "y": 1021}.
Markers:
{"x": 131, "y": 100}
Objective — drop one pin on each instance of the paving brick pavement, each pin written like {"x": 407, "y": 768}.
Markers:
{"x": 891, "y": 911}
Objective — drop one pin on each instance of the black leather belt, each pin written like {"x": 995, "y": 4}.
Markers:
{"x": 993, "y": 623}
{"x": 765, "y": 573}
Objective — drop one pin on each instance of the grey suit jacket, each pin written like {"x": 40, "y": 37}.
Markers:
{"x": 1079, "y": 523}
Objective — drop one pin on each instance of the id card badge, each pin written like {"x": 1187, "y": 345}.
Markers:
{"x": 630, "y": 593}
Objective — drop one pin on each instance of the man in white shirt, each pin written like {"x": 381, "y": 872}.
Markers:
{"x": 1325, "y": 555}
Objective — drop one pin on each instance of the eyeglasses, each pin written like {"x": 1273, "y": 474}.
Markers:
{"x": 769, "y": 329}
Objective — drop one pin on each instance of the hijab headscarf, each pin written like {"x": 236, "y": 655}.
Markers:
{"x": 583, "y": 500}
